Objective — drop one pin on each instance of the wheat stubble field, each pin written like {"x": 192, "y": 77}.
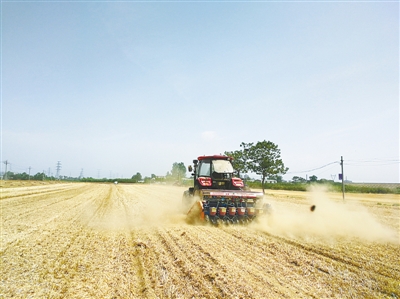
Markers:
{"x": 81, "y": 240}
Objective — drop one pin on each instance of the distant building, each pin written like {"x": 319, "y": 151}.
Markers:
{"x": 270, "y": 181}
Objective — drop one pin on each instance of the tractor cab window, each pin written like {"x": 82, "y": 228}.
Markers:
{"x": 204, "y": 168}
{"x": 222, "y": 166}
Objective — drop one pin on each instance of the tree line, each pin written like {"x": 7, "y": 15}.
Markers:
{"x": 40, "y": 176}
{"x": 262, "y": 158}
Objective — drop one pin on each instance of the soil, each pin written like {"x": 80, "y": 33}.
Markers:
{"x": 88, "y": 240}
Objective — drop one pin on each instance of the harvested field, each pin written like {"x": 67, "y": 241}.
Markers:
{"x": 87, "y": 240}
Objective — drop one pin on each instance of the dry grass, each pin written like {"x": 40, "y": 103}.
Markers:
{"x": 130, "y": 241}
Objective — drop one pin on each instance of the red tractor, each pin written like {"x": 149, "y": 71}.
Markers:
{"x": 218, "y": 196}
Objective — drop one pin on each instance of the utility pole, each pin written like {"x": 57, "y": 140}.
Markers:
{"x": 58, "y": 167}
{"x": 81, "y": 174}
{"x": 5, "y": 173}
{"x": 342, "y": 176}
{"x": 29, "y": 173}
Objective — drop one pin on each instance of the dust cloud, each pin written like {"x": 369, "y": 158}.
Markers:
{"x": 134, "y": 206}
{"x": 324, "y": 218}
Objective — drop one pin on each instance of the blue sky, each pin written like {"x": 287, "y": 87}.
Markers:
{"x": 116, "y": 88}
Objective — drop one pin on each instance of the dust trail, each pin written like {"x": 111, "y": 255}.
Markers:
{"x": 330, "y": 219}
{"x": 134, "y": 206}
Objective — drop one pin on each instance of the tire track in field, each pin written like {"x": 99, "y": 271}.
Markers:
{"x": 207, "y": 259}
{"x": 212, "y": 269}
{"x": 144, "y": 285}
{"x": 221, "y": 269}
{"x": 109, "y": 269}
{"x": 291, "y": 270}
{"x": 131, "y": 265}
{"x": 60, "y": 278}
{"x": 158, "y": 275}
{"x": 164, "y": 274}
{"x": 141, "y": 287}
{"x": 336, "y": 272}
{"x": 386, "y": 270}
{"x": 189, "y": 267}
{"x": 255, "y": 271}
{"x": 122, "y": 256}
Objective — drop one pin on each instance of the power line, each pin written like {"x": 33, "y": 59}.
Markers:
{"x": 375, "y": 162}
{"x": 327, "y": 170}
{"x": 323, "y": 166}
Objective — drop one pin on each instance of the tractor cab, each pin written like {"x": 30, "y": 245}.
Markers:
{"x": 215, "y": 172}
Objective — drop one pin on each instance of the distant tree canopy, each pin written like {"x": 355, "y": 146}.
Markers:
{"x": 297, "y": 179}
{"x": 17, "y": 176}
{"x": 239, "y": 161}
{"x": 262, "y": 158}
{"x": 40, "y": 176}
{"x": 178, "y": 171}
{"x": 137, "y": 177}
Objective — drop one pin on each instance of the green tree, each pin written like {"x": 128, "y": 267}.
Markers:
{"x": 178, "y": 171}
{"x": 313, "y": 178}
{"x": 297, "y": 179}
{"x": 40, "y": 176}
{"x": 239, "y": 161}
{"x": 264, "y": 159}
{"x": 137, "y": 177}
{"x": 9, "y": 175}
